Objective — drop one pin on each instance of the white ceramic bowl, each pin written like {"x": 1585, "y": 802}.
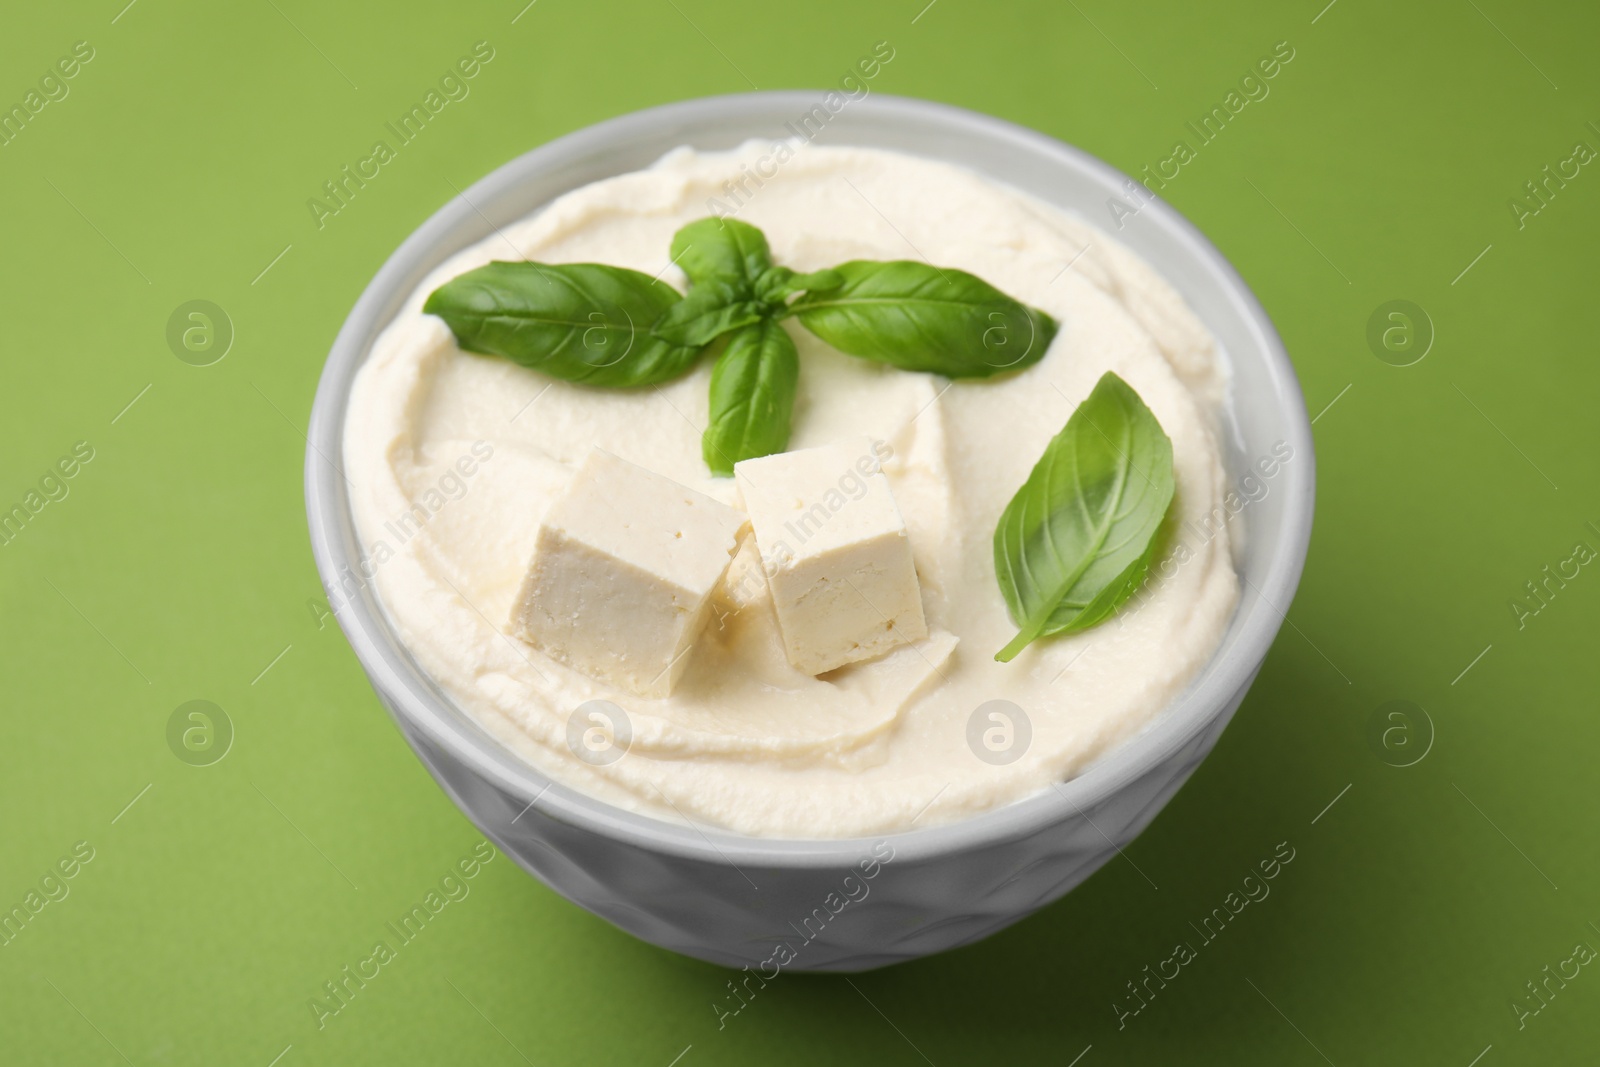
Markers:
{"x": 733, "y": 899}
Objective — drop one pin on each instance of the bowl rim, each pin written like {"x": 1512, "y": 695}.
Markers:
{"x": 396, "y": 678}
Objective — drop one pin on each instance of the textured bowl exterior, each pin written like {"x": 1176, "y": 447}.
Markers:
{"x": 736, "y": 915}
{"x": 841, "y": 905}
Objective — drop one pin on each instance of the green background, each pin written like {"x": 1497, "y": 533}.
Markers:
{"x": 177, "y": 568}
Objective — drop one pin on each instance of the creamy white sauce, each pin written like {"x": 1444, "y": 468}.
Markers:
{"x": 745, "y": 741}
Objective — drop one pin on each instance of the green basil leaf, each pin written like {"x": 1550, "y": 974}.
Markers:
{"x": 1077, "y": 539}
{"x": 752, "y": 396}
{"x": 777, "y": 284}
{"x": 722, "y": 250}
{"x": 925, "y": 318}
{"x": 710, "y": 310}
{"x": 580, "y": 322}
{"x": 818, "y": 281}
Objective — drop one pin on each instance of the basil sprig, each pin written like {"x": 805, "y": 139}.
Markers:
{"x": 735, "y": 290}
{"x": 723, "y": 258}
{"x": 1077, "y": 539}
{"x": 609, "y": 326}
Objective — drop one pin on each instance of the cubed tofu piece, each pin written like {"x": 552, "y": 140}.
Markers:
{"x": 836, "y": 554}
{"x": 622, "y": 574}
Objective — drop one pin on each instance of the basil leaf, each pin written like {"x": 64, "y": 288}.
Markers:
{"x": 722, "y": 250}
{"x": 818, "y": 281}
{"x": 580, "y": 322}
{"x": 924, "y": 318}
{"x": 710, "y": 309}
{"x": 1077, "y": 539}
{"x": 752, "y": 396}
{"x": 777, "y": 284}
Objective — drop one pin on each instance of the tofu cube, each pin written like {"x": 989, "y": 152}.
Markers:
{"x": 622, "y": 575}
{"x": 836, "y": 554}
